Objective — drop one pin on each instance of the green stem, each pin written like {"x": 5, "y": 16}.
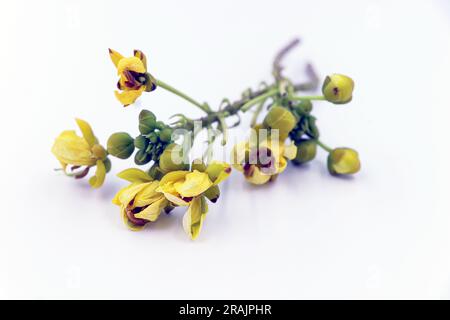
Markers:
{"x": 308, "y": 98}
{"x": 223, "y": 126}
{"x": 323, "y": 146}
{"x": 256, "y": 113}
{"x": 171, "y": 89}
{"x": 259, "y": 98}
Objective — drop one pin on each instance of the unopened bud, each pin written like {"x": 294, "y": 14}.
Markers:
{"x": 120, "y": 145}
{"x": 338, "y": 88}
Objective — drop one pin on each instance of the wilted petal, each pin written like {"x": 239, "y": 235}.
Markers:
{"x": 87, "y": 132}
{"x": 152, "y": 212}
{"x": 97, "y": 180}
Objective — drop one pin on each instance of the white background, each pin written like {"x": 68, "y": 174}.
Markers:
{"x": 382, "y": 234}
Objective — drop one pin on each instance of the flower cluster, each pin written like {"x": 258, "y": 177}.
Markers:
{"x": 287, "y": 133}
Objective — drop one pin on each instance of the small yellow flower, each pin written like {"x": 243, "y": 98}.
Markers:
{"x": 85, "y": 151}
{"x": 261, "y": 164}
{"x": 191, "y": 188}
{"x": 139, "y": 202}
{"x": 343, "y": 161}
{"x": 134, "y": 78}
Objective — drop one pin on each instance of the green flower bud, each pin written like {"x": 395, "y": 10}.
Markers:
{"x": 153, "y": 137}
{"x": 304, "y": 106}
{"x": 212, "y": 193}
{"x": 306, "y": 151}
{"x": 141, "y": 142}
{"x": 282, "y": 119}
{"x": 160, "y": 125}
{"x": 172, "y": 159}
{"x": 147, "y": 122}
{"x": 142, "y": 158}
{"x": 120, "y": 145}
{"x": 338, "y": 88}
{"x": 343, "y": 161}
{"x": 165, "y": 135}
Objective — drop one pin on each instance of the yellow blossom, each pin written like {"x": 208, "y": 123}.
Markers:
{"x": 191, "y": 188}
{"x": 139, "y": 202}
{"x": 134, "y": 78}
{"x": 261, "y": 164}
{"x": 84, "y": 151}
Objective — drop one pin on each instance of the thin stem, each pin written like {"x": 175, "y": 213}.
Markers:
{"x": 171, "y": 89}
{"x": 323, "y": 146}
{"x": 223, "y": 126}
{"x": 256, "y": 113}
{"x": 308, "y": 98}
{"x": 259, "y": 98}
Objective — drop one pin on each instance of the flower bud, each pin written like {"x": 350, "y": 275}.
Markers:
{"x": 165, "y": 135}
{"x": 107, "y": 164}
{"x": 282, "y": 119}
{"x": 141, "y": 142}
{"x": 172, "y": 159}
{"x": 343, "y": 161}
{"x": 120, "y": 145}
{"x": 338, "y": 88}
{"x": 142, "y": 158}
{"x": 304, "y": 106}
{"x": 306, "y": 151}
{"x": 147, "y": 122}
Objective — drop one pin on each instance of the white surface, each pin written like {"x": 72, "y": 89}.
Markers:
{"x": 383, "y": 234}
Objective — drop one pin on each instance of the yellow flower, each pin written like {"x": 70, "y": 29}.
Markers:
{"x": 85, "y": 151}
{"x": 190, "y": 188}
{"x": 134, "y": 78}
{"x": 139, "y": 202}
{"x": 343, "y": 161}
{"x": 261, "y": 164}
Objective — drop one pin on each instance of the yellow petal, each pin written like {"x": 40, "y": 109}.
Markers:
{"x": 173, "y": 177}
{"x": 290, "y": 151}
{"x": 257, "y": 177}
{"x": 152, "y": 212}
{"x": 87, "y": 132}
{"x": 127, "y": 194}
{"x": 147, "y": 195}
{"x": 97, "y": 180}
{"x": 134, "y": 175}
{"x": 139, "y": 54}
{"x": 193, "y": 218}
{"x": 115, "y": 57}
{"x": 69, "y": 148}
{"x": 129, "y": 96}
{"x": 195, "y": 183}
{"x": 218, "y": 171}
{"x": 127, "y": 222}
{"x": 132, "y": 64}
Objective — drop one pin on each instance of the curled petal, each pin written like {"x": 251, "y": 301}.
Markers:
{"x": 147, "y": 195}
{"x": 218, "y": 171}
{"x": 254, "y": 175}
{"x": 129, "y": 96}
{"x": 97, "y": 180}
